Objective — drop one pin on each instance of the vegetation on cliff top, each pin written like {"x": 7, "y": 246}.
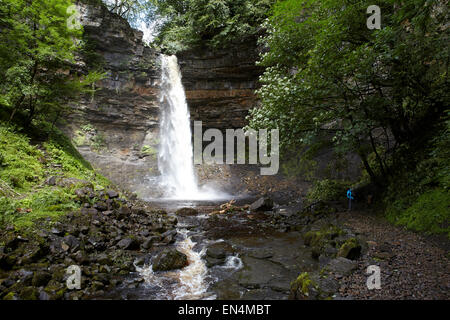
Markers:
{"x": 216, "y": 24}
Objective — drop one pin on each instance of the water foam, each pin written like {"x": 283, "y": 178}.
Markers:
{"x": 188, "y": 283}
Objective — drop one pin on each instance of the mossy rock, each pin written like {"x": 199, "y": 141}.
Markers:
{"x": 303, "y": 288}
{"x": 10, "y": 296}
{"x": 41, "y": 278}
{"x": 313, "y": 238}
{"x": 351, "y": 249}
{"x": 320, "y": 239}
{"x": 313, "y": 287}
{"x": 29, "y": 293}
{"x": 170, "y": 260}
{"x": 55, "y": 289}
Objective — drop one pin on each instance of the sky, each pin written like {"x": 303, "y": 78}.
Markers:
{"x": 148, "y": 28}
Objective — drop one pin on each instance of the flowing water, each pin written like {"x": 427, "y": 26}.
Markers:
{"x": 260, "y": 262}
{"x": 240, "y": 275}
{"x": 178, "y": 180}
{"x": 175, "y": 158}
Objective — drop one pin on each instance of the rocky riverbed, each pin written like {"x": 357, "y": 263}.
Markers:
{"x": 128, "y": 249}
{"x": 104, "y": 238}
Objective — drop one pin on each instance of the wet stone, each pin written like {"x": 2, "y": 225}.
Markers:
{"x": 171, "y": 259}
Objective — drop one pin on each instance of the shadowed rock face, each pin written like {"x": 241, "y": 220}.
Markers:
{"x": 116, "y": 129}
{"x": 220, "y": 85}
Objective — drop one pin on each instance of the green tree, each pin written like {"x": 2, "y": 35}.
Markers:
{"x": 373, "y": 92}
{"x": 37, "y": 58}
{"x": 216, "y": 23}
{"x": 135, "y": 11}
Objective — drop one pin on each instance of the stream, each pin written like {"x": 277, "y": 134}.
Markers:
{"x": 231, "y": 256}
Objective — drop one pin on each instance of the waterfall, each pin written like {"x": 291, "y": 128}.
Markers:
{"x": 175, "y": 158}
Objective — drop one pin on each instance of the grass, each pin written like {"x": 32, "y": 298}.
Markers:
{"x": 20, "y": 167}
{"x": 24, "y": 169}
{"x": 419, "y": 197}
{"x": 149, "y": 151}
{"x": 429, "y": 213}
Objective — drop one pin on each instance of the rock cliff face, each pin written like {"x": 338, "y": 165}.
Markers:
{"x": 116, "y": 129}
{"x": 220, "y": 85}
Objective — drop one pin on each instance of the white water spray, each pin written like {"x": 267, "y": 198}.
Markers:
{"x": 175, "y": 158}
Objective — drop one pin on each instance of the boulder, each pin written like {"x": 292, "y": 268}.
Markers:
{"x": 128, "y": 244}
{"x": 148, "y": 243}
{"x": 169, "y": 236}
{"x": 262, "y": 204}
{"x": 351, "y": 249}
{"x": 14, "y": 243}
{"x": 211, "y": 262}
{"x": 51, "y": 181}
{"x": 171, "y": 259}
{"x": 341, "y": 266}
{"x": 216, "y": 252}
{"x": 219, "y": 250}
{"x": 40, "y": 278}
{"x": 313, "y": 287}
{"x": 186, "y": 212}
{"x": 71, "y": 243}
{"x": 101, "y": 206}
{"x": 112, "y": 194}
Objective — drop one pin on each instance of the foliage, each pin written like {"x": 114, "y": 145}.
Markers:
{"x": 215, "y": 23}
{"x": 37, "y": 50}
{"x": 428, "y": 213}
{"x": 327, "y": 190}
{"x": 303, "y": 284}
{"x": 135, "y": 11}
{"x": 419, "y": 198}
{"x": 26, "y": 168}
{"x": 149, "y": 151}
{"x": 381, "y": 94}
{"x": 328, "y": 77}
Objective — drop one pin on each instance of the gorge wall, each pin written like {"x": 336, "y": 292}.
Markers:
{"x": 220, "y": 84}
{"x": 117, "y": 128}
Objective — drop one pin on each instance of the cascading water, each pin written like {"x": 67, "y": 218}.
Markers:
{"x": 175, "y": 159}
{"x": 178, "y": 180}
